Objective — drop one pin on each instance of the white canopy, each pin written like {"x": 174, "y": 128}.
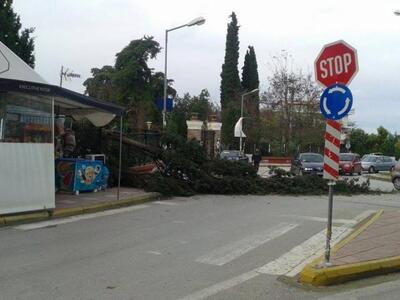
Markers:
{"x": 239, "y": 128}
{"x": 17, "y": 76}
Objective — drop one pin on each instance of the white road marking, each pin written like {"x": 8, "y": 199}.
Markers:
{"x": 165, "y": 202}
{"x": 178, "y": 222}
{"x": 79, "y": 218}
{"x": 324, "y": 220}
{"x": 154, "y": 252}
{"x": 232, "y": 282}
{"x": 292, "y": 262}
{"x": 216, "y": 288}
{"x": 229, "y": 252}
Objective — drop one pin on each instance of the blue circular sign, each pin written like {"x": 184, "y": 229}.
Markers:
{"x": 336, "y": 101}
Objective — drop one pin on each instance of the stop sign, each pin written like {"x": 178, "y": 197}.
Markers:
{"x": 336, "y": 63}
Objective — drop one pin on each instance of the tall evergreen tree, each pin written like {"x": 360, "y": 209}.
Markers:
{"x": 19, "y": 41}
{"x": 250, "y": 82}
{"x": 230, "y": 83}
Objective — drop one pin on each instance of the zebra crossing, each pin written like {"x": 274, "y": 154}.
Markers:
{"x": 288, "y": 264}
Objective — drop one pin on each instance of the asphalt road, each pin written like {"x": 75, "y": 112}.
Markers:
{"x": 204, "y": 247}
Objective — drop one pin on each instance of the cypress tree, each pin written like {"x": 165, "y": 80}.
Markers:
{"x": 230, "y": 83}
{"x": 250, "y": 82}
{"x": 20, "y": 42}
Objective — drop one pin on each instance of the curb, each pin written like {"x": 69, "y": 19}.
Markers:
{"x": 317, "y": 276}
{"x": 73, "y": 211}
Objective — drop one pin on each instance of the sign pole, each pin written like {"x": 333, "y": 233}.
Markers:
{"x": 335, "y": 67}
{"x": 331, "y": 183}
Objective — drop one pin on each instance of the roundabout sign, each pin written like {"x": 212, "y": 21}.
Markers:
{"x": 336, "y": 101}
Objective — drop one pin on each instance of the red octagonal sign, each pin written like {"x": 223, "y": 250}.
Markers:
{"x": 336, "y": 63}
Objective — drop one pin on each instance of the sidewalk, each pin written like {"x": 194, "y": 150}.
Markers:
{"x": 374, "y": 248}
{"x": 68, "y": 204}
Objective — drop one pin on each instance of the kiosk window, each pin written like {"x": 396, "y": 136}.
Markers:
{"x": 25, "y": 118}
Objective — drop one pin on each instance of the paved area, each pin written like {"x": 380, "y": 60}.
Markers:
{"x": 203, "y": 247}
{"x": 69, "y": 200}
{"x": 380, "y": 240}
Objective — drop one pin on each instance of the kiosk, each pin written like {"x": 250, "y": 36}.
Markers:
{"x": 27, "y": 106}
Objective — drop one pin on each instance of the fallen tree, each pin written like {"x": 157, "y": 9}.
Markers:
{"x": 187, "y": 172}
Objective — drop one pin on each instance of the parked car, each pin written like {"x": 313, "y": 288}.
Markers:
{"x": 233, "y": 155}
{"x": 373, "y": 153}
{"x": 308, "y": 163}
{"x": 349, "y": 163}
{"x": 376, "y": 163}
{"x": 396, "y": 176}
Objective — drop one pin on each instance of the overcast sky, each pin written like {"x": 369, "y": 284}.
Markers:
{"x": 82, "y": 34}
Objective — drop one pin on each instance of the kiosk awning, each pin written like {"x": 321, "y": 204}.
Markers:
{"x": 17, "y": 76}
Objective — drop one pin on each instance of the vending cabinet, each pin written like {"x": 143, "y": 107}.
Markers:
{"x": 80, "y": 175}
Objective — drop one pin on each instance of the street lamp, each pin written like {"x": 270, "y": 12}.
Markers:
{"x": 197, "y": 21}
{"x": 241, "y": 116}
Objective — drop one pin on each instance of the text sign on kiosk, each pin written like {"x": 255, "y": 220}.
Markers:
{"x": 336, "y": 63}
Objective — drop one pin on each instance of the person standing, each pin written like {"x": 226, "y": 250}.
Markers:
{"x": 256, "y": 159}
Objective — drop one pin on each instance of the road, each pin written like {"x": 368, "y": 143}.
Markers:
{"x": 203, "y": 247}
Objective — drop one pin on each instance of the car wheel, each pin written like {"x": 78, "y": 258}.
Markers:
{"x": 359, "y": 173}
{"x": 371, "y": 169}
{"x": 396, "y": 183}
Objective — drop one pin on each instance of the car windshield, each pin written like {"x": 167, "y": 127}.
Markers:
{"x": 230, "y": 154}
{"x": 312, "y": 158}
{"x": 346, "y": 157}
{"x": 370, "y": 158}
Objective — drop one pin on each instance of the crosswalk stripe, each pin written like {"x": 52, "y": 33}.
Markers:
{"x": 229, "y": 252}
{"x": 320, "y": 219}
{"x": 292, "y": 262}
{"x": 221, "y": 286}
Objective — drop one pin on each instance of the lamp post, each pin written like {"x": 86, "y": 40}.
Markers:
{"x": 197, "y": 21}
{"x": 241, "y": 116}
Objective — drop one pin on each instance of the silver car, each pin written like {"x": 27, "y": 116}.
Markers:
{"x": 376, "y": 163}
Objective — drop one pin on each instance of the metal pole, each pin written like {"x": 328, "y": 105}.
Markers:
{"x": 241, "y": 130}
{"x": 165, "y": 81}
{"x": 61, "y": 75}
{"x": 120, "y": 157}
{"x": 329, "y": 225}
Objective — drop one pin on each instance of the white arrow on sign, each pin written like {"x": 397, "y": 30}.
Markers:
{"x": 336, "y": 89}
{"x": 347, "y": 103}
{"x": 328, "y": 112}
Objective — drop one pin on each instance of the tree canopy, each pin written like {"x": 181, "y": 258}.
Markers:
{"x": 18, "y": 40}
{"x": 131, "y": 82}
{"x": 230, "y": 83}
{"x": 292, "y": 121}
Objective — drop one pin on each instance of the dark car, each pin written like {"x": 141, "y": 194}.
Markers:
{"x": 233, "y": 155}
{"x": 308, "y": 163}
{"x": 349, "y": 163}
{"x": 376, "y": 163}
